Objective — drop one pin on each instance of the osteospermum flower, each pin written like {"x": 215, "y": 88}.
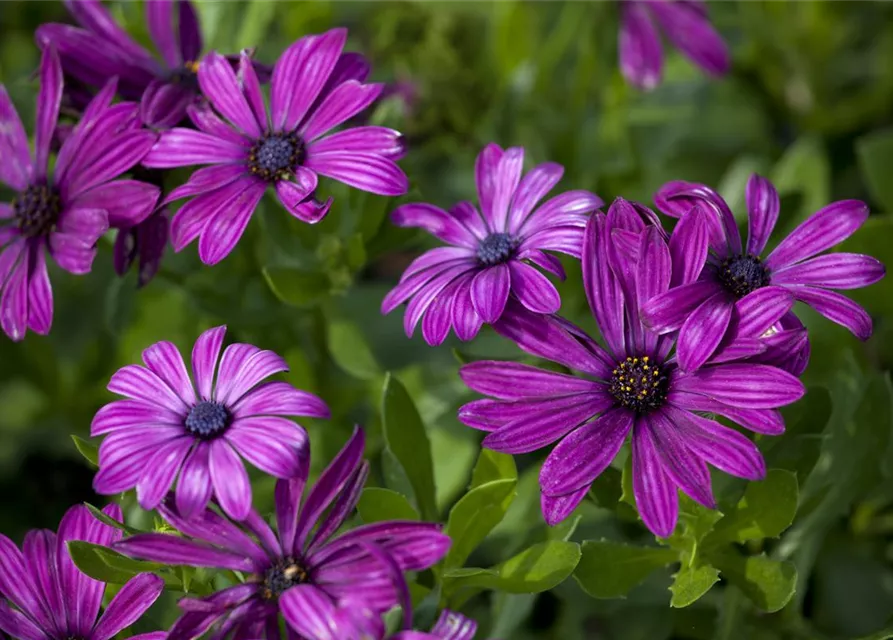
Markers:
{"x": 686, "y": 25}
{"x": 52, "y": 600}
{"x": 197, "y": 429}
{"x": 301, "y": 571}
{"x": 249, "y": 152}
{"x": 64, "y": 212}
{"x": 493, "y": 250}
{"x": 100, "y": 49}
{"x": 633, "y": 387}
{"x": 703, "y": 311}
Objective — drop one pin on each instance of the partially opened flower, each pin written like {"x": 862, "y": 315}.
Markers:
{"x": 686, "y": 25}
{"x": 63, "y": 212}
{"x": 100, "y": 49}
{"x": 304, "y": 569}
{"x": 250, "y": 151}
{"x": 634, "y": 387}
{"x": 50, "y": 599}
{"x": 703, "y": 311}
{"x": 494, "y": 251}
{"x": 200, "y": 428}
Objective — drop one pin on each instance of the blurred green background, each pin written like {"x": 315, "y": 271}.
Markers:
{"x": 808, "y": 103}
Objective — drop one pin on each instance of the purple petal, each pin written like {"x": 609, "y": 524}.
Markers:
{"x": 310, "y": 613}
{"x": 14, "y": 301}
{"x": 205, "y": 180}
{"x": 16, "y": 582}
{"x": 48, "y": 100}
{"x": 454, "y": 626}
{"x": 836, "y": 308}
{"x": 655, "y": 265}
{"x": 749, "y": 386}
{"x": 160, "y": 22}
{"x": 206, "y": 120}
{"x": 15, "y": 169}
{"x": 641, "y": 57}
{"x": 42, "y": 562}
{"x": 533, "y": 187}
{"x": 702, "y": 332}
{"x": 164, "y": 105}
{"x": 250, "y": 86}
{"x": 226, "y": 226}
{"x": 435, "y": 221}
{"x": 280, "y": 398}
{"x": 205, "y": 354}
{"x": 292, "y": 194}
{"x": 533, "y": 289}
{"x": 822, "y": 230}
{"x": 429, "y": 289}
{"x": 129, "y": 148}
{"x": 655, "y": 493}
{"x": 171, "y": 549}
{"x": 669, "y": 311}
{"x": 363, "y": 171}
{"x": 688, "y": 246}
{"x": 515, "y": 381}
{"x": 677, "y": 198}
{"x": 287, "y": 496}
{"x": 833, "y": 271}
{"x": 73, "y": 254}
{"x": 490, "y": 291}
{"x": 343, "y": 507}
{"x": 230, "y": 480}
{"x": 436, "y": 323}
{"x": 129, "y": 413}
{"x": 272, "y": 456}
{"x": 194, "y": 485}
{"x": 765, "y": 421}
{"x": 165, "y": 361}
{"x": 485, "y": 167}
{"x": 160, "y": 471}
{"x": 379, "y": 141}
{"x": 189, "y": 32}
{"x": 300, "y": 74}
{"x": 344, "y": 102}
{"x": 96, "y": 18}
{"x": 558, "y": 508}
{"x": 565, "y": 208}
{"x": 40, "y": 297}
{"x": 129, "y": 604}
{"x": 235, "y": 382}
{"x": 581, "y": 456}
{"x": 127, "y": 202}
{"x": 413, "y": 545}
{"x": 544, "y": 261}
{"x": 19, "y": 626}
{"x": 505, "y": 181}
{"x": 219, "y": 84}
{"x": 601, "y": 286}
{"x": 184, "y": 147}
{"x": 691, "y": 32}
{"x": 139, "y": 383}
{"x": 760, "y": 310}
{"x": 685, "y": 468}
{"x": 763, "y": 207}
{"x": 465, "y": 319}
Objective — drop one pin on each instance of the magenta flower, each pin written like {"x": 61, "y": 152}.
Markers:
{"x": 634, "y": 387}
{"x": 301, "y": 571}
{"x": 686, "y": 25}
{"x": 703, "y": 311}
{"x": 310, "y": 95}
{"x": 493, "y": 251}
{"x": 101, "y": 50}
{"x": 53, "y": 600}
{"x": 63, "y": 213}
{"x": 169, "y": 427}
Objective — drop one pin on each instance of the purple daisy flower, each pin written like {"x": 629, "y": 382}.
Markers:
{"x": 53, "y": 600}
{"x": 302, "y": 571}
{"x": 493, "y": 251}
{"x": 63, "y": 214}
{"x": 703, "y": 311}
{"x": 168, "y": 427}
{"x": 635, "y": 386}
{"x": 312, "y": 91}
{"x": 686, "y": 25}
{"x": 101, "y": 49}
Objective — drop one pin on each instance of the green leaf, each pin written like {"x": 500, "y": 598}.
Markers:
{"x": 107, "y": 565}
{"x": 538, "y": 568}
{"x": 766, "y": 510}
{"x": 255, "y": 24}
{"x": 690, "y": 583}
{"x": 350, "y": 351}
{"x": 99, "y": 515}
{"x": 377, "y": 505}
{"x": 492, "y": 465}
{"x": 804, "y": 169}
{"x": 405, "y": 436}
{"x": 611, "y": 569}
{"x": 87, "y": 449}
{"x": 295, "y": 287}
{"x": 875, "y": 153}
{"x": 474, "y": 516}
{"x": 768, "y": 583}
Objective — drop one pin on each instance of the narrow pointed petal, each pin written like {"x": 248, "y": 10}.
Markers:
{"x": 688, "y": 246}
{"x": 365, "y": 171}
{"x": 836, "y": 308}
{"x": 655, "y": 493}
{"x": 533, "y": 289}
{"x": 224, "y": 229}
{"x": 822, "y": 230}
{"x": 685, "y": 468}
{"x": 48, "y": 101}
{"x": 180, "y": 147}
{"x": 160, "y": 22}
{"x": 485, "y": 178}
{"x": 194, "y": 485}
{"x": 165, "y": 361}
{"x": 556, "y": 509}
{"x": 533, "y": 187}
{"x": 703, "y": 331}
{"x": 160, "y": 471}
{"x": 171, "y": 549}
{"x": 691, "y": 32}
{"x": 15, "y": 170}
{"x": 748, "y": 386}
{"x": 640, "y": 52}
{"x": 205, "y": 355}
{"x": 190, "y": 35}
{"x": 763, "y": 207}
{"x": 490, "y": 291}
{"x": 230, "y": 480}
{"x": 516, "y": 381}
{"x": 602, "y": 288}
{"x": 219, "y": 84}
{"x": 669, "y": 311}
{"x": 40, "y": 297}
{"x": 345, "y": 101}
{"x": 833, "y": 271}
{"x": 128, "y": 605}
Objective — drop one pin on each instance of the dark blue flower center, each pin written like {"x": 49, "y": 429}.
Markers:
{"x": 639, "y": 384}
{"x": 37, "y": 210}
{"x": 286, "y": 573}
{"x": 275, "y": 156}
{"x": 207, "y": 419}
{"x": 496, "y": 248}
{"x": 185, "y": 75}
{"x": 742, "y": 274}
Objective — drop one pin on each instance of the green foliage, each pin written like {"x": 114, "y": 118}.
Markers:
{"x": 611, "y": 569}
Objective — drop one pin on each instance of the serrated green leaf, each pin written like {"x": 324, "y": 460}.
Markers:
{"x": 296, "y": 288}
{"x": 377, "y": 505}
{"x": 766, "y": 510}
{"x": 875, "y": 153}
{"x": 406, "y": 438}
{"x": 474, "y": 516}
{"x": 690, "y": 583}
{"x": 87, "y": 449}
{"x": 768, "y": 583}
{"x": 350, "y": 351}
{"x": 492, "y": 465}
{"x": 611, "y": 569}
{"x": 538, "y": 568}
